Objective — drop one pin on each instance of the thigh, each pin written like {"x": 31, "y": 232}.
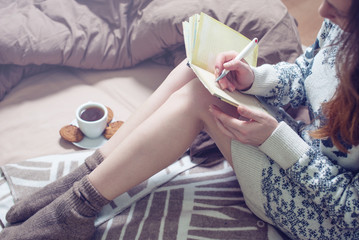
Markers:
{"x": 198, "y": 99}
{"x": 175, "y": 80}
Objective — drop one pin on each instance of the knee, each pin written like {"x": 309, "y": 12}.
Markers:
{"x": 193, "y": 95}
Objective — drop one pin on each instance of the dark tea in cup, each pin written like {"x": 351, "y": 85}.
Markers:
{"x": 92, "y": 119}
{"x": 92, "y": 114}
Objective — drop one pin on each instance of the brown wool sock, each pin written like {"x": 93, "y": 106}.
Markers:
{"x": 28, "y": 206}
{"x": 70, "y": 216}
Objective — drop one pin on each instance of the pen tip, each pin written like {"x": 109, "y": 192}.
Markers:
{"x": 220, "y": 76}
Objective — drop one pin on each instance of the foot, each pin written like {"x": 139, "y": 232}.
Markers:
{"x": 27, "y": 207}
{"x": 70, "y": 216}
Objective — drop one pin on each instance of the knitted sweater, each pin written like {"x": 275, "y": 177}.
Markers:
{"x": 306, "y": 187}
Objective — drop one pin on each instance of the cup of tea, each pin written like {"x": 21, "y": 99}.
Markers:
{"x": 92, "y": 119}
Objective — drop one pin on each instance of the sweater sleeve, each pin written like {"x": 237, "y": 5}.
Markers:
{"x": 283, "y": 83}
{"x": 330, "y": 186}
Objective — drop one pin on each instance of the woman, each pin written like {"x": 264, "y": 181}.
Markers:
{"x": 303, "y": 179}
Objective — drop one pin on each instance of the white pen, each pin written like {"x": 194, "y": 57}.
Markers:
{"x": 240, "y": 56}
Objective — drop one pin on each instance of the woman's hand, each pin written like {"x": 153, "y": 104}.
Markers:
{"x": 240, "y": 77}
{"x": 251, "y": 128}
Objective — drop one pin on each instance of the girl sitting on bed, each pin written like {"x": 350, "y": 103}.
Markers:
{"x": 303, "y": 179}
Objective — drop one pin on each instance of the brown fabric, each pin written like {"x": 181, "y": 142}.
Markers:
{"x": 204, "y": 150}
{"x": 113, "y": 34}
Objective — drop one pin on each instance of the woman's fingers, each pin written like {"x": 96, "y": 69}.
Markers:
{"x": 250, "y": 114}
{"x": 222, "y": 58}
{"x": 253, "y": 129}
{"x": 224, "y": 121}
{"x": 240, "y": 74}
{"x": 223, "y": 128}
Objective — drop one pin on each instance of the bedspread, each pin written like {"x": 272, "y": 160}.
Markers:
{"x": 187, "y": 200}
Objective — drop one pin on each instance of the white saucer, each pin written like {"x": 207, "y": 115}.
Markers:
{"x": 89, "y": 143}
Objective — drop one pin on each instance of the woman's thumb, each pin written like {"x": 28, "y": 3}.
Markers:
{"x": 247, "y": 113}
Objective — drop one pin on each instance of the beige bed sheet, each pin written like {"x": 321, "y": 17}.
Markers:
{"x": 35, "y": 110}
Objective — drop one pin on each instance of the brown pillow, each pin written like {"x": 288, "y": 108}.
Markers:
{"x": 114, "y": 34}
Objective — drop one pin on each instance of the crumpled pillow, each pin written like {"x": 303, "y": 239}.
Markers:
{"x": 114, "y": 34}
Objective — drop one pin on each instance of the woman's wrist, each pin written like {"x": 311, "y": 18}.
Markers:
{"x": 264, "y": 79}
{"x": 284, "y": 146}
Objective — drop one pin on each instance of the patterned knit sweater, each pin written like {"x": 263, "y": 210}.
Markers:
{"x": 307, "y": 188}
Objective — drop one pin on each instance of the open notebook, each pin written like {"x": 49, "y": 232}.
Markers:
{"x": 205, "y": 38}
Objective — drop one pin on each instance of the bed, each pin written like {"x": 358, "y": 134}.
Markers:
{"x": 56, "y": 55}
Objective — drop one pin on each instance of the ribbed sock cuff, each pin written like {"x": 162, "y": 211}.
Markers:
{"x": 89, "y": 201}
{"x": 94, "y": 160}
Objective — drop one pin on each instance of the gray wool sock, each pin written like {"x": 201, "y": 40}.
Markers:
{"x": 70, "y": 216}
{"x": 28, "y": 206}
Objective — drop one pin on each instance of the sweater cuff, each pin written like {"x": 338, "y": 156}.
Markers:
{"x": 265, "y": 79}
{"x": 284, "y": 146}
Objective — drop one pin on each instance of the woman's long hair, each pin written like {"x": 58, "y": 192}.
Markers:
{"x": 342, "y": 111}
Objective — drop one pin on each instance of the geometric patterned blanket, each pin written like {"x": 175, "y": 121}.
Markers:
{"x": 184, "y": 201}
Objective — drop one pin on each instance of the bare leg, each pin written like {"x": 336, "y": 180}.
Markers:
{"x": 174, "y": 81}
{"x": 27, "y": 207}
{"x": 151, "y": 146}
{"x": 160, "y": 140}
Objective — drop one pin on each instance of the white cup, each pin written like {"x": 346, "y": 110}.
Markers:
{"x": 92, "y": 119}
